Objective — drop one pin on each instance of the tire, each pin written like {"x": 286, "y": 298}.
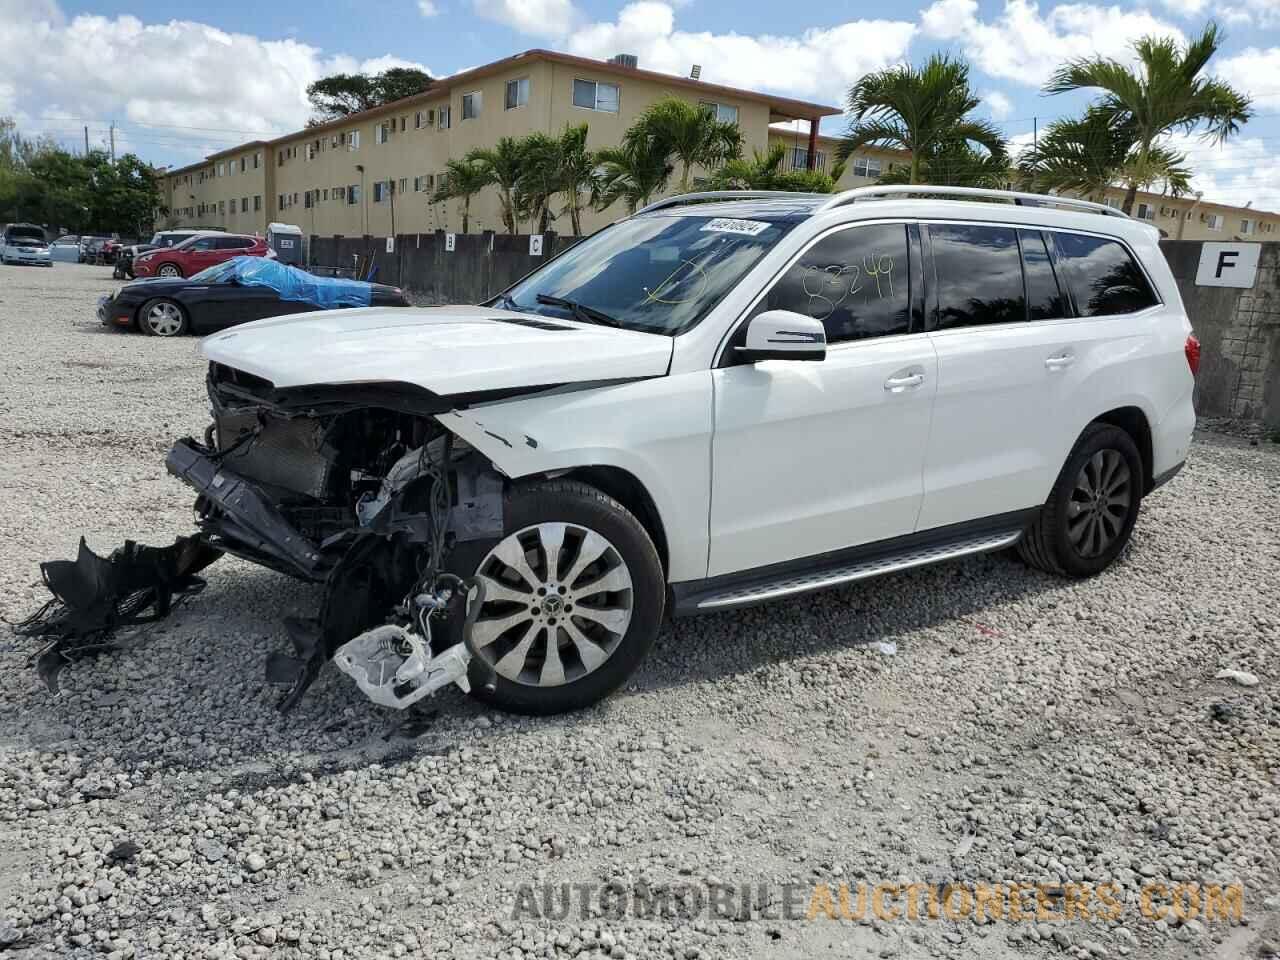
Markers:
{"x": 1083, "y": 527}
{"x": 168, "y": 270}
{"x": 623, "y": 622}
{"x": 163, "y": 317}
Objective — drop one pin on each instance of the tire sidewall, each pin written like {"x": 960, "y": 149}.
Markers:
{"x": 563, "y": 502}
{"x": 1100, "y": 438}
{"x": 145, "y": 327}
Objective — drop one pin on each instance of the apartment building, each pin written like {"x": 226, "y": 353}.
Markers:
{"x": 377, "y": 171}
{"x": 1181, "y": 218}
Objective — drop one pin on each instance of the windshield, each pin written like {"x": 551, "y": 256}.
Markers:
{"x": 25, "y": 236}
{"x": 215, "y": 274}
{"x": 653, "y": 274}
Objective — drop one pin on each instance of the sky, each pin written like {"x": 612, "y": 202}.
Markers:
{"x": 180, "y": 81}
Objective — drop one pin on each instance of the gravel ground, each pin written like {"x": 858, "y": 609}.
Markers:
{"x": 1022, "y": 729}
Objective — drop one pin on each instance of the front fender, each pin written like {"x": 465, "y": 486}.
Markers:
{"x": 658, "y": 430}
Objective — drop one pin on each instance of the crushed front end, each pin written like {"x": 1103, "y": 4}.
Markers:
{"x": 360, "y": 488}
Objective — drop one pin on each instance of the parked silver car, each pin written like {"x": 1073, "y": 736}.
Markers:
{"x": 25, "y": 243}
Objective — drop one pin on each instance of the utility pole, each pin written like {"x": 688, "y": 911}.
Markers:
{"x": 86, "y": 141}
{"x": 1035, "y": 133}
{"x": 113, "y": 143}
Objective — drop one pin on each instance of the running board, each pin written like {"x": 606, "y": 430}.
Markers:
{"x": 710, "y": 597}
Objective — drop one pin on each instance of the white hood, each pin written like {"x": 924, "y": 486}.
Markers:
{"x": 446, "y": 350}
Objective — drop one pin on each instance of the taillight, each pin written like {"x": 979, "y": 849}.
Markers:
{"x": 1192, "y": 350}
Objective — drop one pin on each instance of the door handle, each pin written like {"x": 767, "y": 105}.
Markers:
{"x": 898, "y": 384}
{"x": 1060, "y": 362}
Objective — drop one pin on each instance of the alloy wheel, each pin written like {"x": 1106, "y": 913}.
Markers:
{"x": 164, "y": 319}
{"x": 169, "y": 270}
{"x": 558, "y": 600}
{"x": 1100, "y": 503}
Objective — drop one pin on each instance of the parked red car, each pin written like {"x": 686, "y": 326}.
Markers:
{"x": 193, "y": 255}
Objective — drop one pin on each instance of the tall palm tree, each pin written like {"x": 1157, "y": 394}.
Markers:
{"x": 683, "y": 133}
{"x": 630, "y": 173}
{"x": 503, "y": 164}
{"x": 1163, "y": 94}
{"x": 463, "y": 180}
{"x": 919, "y": 111}
{"x": 1087, "y": 155}
{"x": 539, "y": 180}
{"x": 577, "y": 169}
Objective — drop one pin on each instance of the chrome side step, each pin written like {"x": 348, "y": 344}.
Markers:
{"x": 791, "y": 584}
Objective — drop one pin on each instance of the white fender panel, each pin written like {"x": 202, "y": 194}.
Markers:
{"x": 658, "y": 430}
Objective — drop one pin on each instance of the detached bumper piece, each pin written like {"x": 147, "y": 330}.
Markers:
{"x": 247, "y": 521}
{"x": 94, "y": 596}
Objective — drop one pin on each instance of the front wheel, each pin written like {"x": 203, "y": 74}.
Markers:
{"x": 162, "y": 318}
{"x": 168, "y": 270}
{"x": 1091, "y": 511}
{"x": 573, "y": 599}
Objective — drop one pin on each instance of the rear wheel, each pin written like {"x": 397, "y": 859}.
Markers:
{"x": 574, "y": 596}
{"x": 1090, "y": 514}
{"x": 163, "y": 318}
{"x": 168, "y": 270}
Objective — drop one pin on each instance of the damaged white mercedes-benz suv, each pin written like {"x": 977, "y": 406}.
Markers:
{"x": 722, "y": 400}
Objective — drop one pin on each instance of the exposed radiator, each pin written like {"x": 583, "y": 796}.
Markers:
{"x": 285, "y": 454}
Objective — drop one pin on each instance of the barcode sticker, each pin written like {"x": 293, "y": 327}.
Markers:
{"x": 749, "y": 228}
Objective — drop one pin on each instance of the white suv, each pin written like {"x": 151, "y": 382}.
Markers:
{"x": 722, "y": 400}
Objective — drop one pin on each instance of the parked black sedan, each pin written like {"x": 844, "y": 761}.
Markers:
{"x": 237, "y": 291}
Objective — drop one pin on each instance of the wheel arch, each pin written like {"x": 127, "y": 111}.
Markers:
{"x": 1133, "y": 421}
{"x": 627, "y": 489}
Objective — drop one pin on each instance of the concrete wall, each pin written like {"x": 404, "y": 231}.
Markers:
{"x": 1239, "y": 332}
{"x": 480, "y": 266}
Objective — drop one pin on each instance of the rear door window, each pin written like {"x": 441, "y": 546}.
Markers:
{"x": 978, "y": 275}
{"x": 1045, "y": 300}
{"x": 1103, "y": 277}
{"x": 234, "y": 243}
{"x": 856, "y": 281}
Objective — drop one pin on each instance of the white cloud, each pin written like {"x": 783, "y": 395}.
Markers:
{"x": 997, "y": 104}
{"x": 1261, "y": 13}
{"x": 1237, "y": 172}
{"x": 428, "y": 9}
{"x": 1024, "y": 46}
{"x": 818, "y": 63}
{"x": 1255, "y": 72}
{"x": 162, "y": 77}
{"x": 548, "y": 18}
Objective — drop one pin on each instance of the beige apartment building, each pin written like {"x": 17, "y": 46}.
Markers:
{"x": 357, "y": 175}
{"x": 1181, "y": 218}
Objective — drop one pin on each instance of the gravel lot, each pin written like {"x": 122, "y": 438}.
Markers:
{"x": 1026, "y": 729}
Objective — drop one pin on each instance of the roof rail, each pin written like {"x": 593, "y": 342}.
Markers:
{"x": 681, "y": 199}
{"x": 1023, "y": 199}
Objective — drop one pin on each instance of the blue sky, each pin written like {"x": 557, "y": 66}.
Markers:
{"x": 182, "y": 80}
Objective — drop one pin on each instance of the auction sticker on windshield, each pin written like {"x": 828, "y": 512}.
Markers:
{"x": 748, "y": 228}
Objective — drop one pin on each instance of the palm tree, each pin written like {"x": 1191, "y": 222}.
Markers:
{"x": 577, "y": 170}
{"x": 631, "y": 173}
{"x": 539, "y": 180}
{"x": 764, "y": 171}
{"x": 1163, "y": 94}
{"x": 503, "y": 166}
{"x": 462, "y": 180}
{"x": 919, "y": 111}
{"x": 954, "y": 163}
{"x": 684, "y": 133}
{"x": 1087, "y": 155}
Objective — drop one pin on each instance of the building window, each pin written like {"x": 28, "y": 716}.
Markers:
{"x": 257, "y": 159}
{"x": 517, "y": 93}
{"x": 222, "y": 208}
{"x": 306, "y": 200}
{"x": 353, "y": 194}
{"x": 244, "y": 204}
{"x": 471, "y": 105}
{"x": 446, "y": 117}
{"x": 353, "y": 140}
{"x": 442, "y": 181}
{"x": 244, "y": 164}
{"x": 1247, "y": 227}
{"x": 591, "y": 95}
{"x": 222, "y": 169}
{"x": 384, "y": 131}
{"x": 404, "y": 185}
{"x": 721, "y": 111}
{"x": 257, "y": 202}
{"x": 424, "y": 118}
{"x": 800, "y": 159}
{"x": 1214, "y": 220}
{"x": 866, "y": 167}
{"x": 379, "y": 191}
{"x": 1146, "y": 212}
{"x": 339, "y": 194}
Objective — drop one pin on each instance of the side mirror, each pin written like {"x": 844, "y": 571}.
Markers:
{"x": 783, "y": 335}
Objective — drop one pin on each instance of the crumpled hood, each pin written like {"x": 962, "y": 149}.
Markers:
{"x": 447, "y": 350}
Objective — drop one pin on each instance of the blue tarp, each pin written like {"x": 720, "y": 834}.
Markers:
{"x": 293, "y": 284}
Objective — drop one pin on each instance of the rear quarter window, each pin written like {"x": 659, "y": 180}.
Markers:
{"x": 1102, "y": 276}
